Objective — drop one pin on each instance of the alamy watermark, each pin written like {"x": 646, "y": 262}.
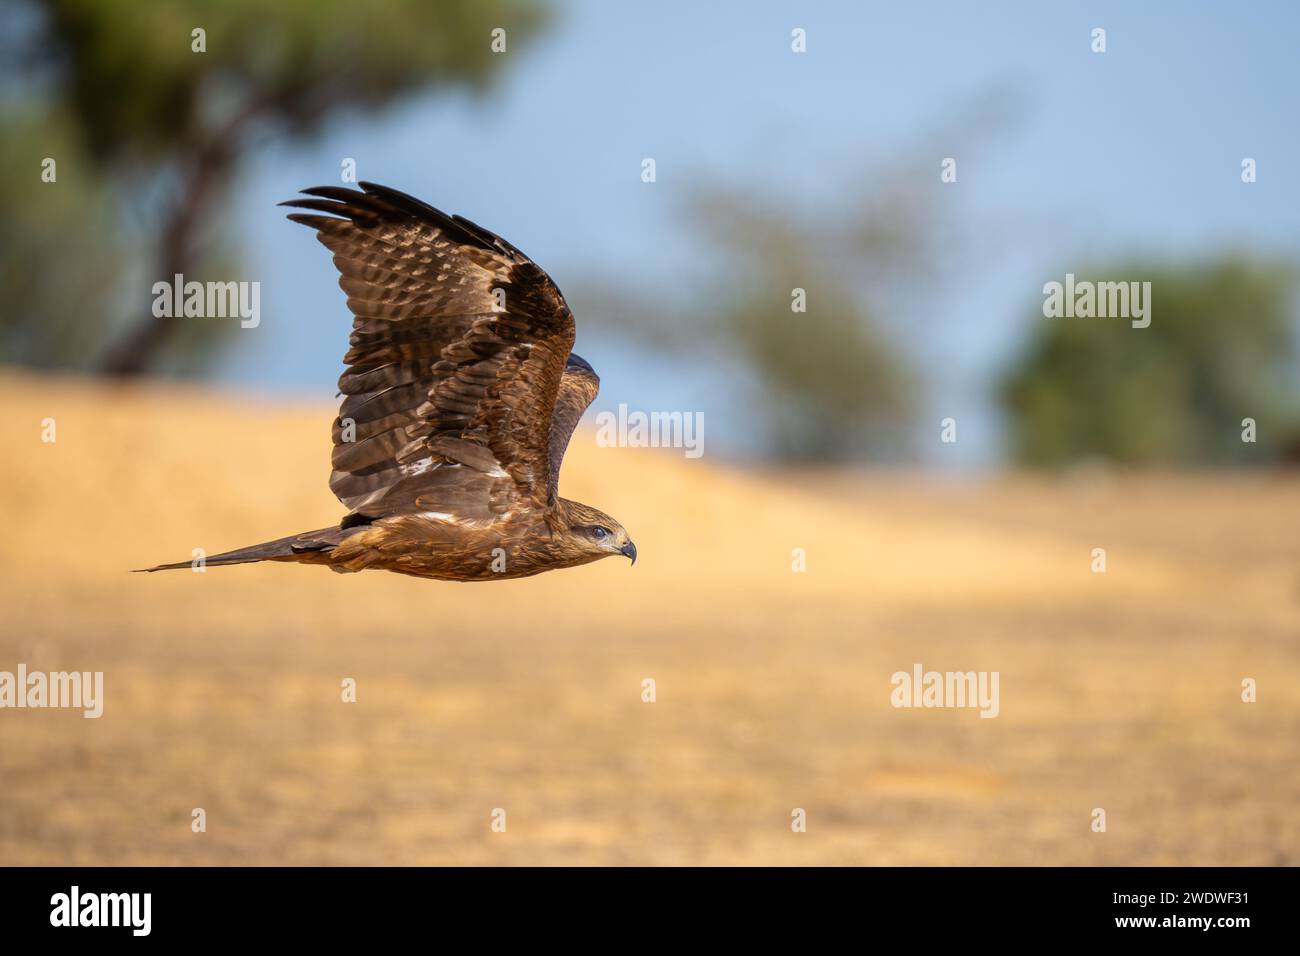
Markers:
{"x": 922, "y": 688}
{"x": 627, "y": 429}
{"x": 208, "y": 300}
{"x": 75, "y": 908}
{"x": 1086, "y": 299}
{"x": 55, "y": 689}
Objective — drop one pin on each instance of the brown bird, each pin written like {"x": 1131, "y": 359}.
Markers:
{"x": 460, "y": 397}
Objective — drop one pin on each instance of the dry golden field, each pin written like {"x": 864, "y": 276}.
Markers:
{"x": 1118, "y": 690}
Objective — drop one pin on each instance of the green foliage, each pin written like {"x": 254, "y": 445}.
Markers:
{"x": 824, "y": 384}
{"x": 58, "y": 250}
{"x": 1221, "y": 347}
{"x": 133, "y": 78}
{"x": 149, "y": 136}
{"x": 830, "y": 389}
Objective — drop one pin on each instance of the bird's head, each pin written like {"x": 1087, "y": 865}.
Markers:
{"x": 596, "y": 534}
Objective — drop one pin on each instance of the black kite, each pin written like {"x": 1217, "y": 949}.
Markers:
{"x": 460, "y": 397}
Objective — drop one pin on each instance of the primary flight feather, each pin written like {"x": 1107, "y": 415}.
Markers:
{"x": 459, "y": 399}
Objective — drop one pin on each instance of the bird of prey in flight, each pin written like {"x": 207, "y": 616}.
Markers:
{"x": 459, "y": 400}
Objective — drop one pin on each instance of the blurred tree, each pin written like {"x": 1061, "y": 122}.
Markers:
{"x": 867, "y": 244}
{"x": 826, "y": 379}
{"x": 166, "y": 125}
{"x": 58, "y": 250}
{"x": 799, "y": 307}
{"x": 1221, "y": 347}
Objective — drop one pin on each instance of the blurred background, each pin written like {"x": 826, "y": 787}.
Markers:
{"x": 775, "y": 170}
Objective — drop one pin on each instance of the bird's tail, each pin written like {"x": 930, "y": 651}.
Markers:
{"x": 309, "y": 547}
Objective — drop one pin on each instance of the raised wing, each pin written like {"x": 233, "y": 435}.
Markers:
{"x": 459, "y": 343}
{"x": 578, "y": 389}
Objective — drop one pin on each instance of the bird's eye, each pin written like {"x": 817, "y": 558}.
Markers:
{"x": 599, "y": 532}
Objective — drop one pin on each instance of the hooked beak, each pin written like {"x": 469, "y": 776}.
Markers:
{"x": 629, "y": 551}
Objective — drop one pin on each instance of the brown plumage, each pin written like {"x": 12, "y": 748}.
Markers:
{"x": 459, "y": 400}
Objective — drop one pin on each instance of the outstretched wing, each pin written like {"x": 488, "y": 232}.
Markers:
{"x": 578, "y": 389}
{"x": 459, "y": 343}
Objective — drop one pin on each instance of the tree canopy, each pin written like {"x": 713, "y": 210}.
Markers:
{"x": 150, "y": 108}
{"x": 1221, "y": 348}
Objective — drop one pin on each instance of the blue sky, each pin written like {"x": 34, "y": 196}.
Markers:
{"x": 1137, "y": 150}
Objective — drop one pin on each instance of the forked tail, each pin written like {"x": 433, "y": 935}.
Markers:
{"x": 309, "y": 546}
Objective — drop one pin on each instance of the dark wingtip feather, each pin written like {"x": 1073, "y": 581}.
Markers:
{"x": 398, "y": 198}
{"x": 373, "y": 201}
{"x": 364, "y": 208}
{"x": 341, "y": 197}
{"x": 457, "y": 228}
{"x": 315, "y": 222}
{"x": 320, "y": 205}
{"x": 333, "y": 192}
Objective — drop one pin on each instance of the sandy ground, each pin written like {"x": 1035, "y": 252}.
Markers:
{"x": 1119, "y": 691}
